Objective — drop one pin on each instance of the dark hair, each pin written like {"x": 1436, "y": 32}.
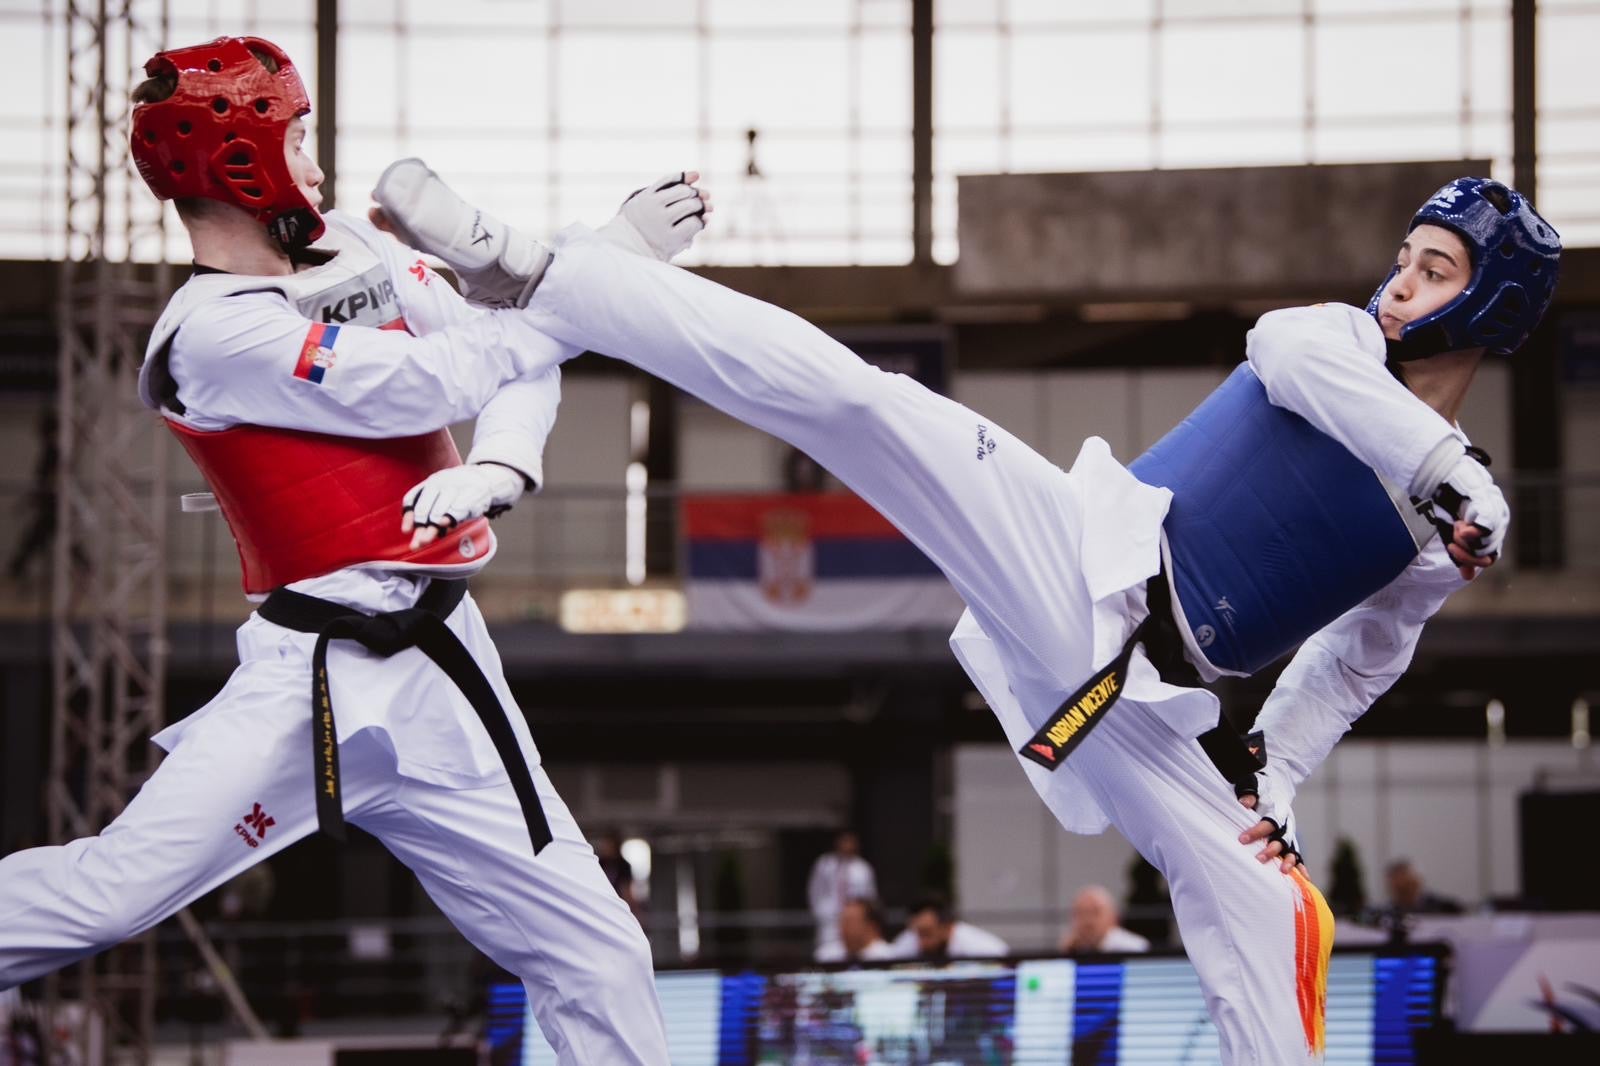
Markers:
{"x": 156, "y": 89}
{"x": 938, "y": 904}
{"x": 869, "y": 910}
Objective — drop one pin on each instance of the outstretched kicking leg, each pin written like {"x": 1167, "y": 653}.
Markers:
{"x": 1002, "y": 522}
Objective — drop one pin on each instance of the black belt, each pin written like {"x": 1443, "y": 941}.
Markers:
{"x": 1082, "y": 711}
{"x": 422, "y": 627}
{"x": 1236, "y": 758}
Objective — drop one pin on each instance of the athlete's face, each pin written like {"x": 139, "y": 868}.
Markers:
{"x": 307, "y": 175}
{"x": 1434, "y": 268}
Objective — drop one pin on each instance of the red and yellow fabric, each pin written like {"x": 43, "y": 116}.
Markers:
{"x": 1313, "y": 943}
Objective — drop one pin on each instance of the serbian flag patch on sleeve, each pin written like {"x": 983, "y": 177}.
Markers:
{"x": 316, "y": 353}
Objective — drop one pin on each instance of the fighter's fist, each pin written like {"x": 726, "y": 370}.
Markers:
{"x": 458, "y": 494}
{"x": 661, "y": 219}
{"x": 1479, "y": 513}
{"x": 1264, "y": 794}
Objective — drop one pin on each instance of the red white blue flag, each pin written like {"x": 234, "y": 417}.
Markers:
{"x": 316, "y": 352}
{"x": 823, "y": 561}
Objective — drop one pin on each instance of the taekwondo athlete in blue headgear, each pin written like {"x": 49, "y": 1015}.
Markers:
{"x": 1253, "y": 482}
{"x": 1288, "y": 515}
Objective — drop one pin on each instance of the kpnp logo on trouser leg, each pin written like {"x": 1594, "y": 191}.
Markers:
{"x": 259, "y": 821}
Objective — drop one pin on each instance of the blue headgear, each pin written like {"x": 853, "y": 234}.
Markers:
{"x": 1516, "y": 256}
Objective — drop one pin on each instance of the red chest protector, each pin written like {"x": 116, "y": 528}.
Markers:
{"x": 301, "y": 505}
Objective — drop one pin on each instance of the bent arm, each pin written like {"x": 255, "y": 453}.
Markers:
{"x": 514, "y": 425}
{"x": 252, "y": 358}
{"x": 1343, "y": 668}
{"x": 1326, "y": 364}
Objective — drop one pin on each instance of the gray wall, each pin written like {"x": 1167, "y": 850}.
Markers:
{"x": 1150, "y": 234}
{"x": 1450, "y": 806}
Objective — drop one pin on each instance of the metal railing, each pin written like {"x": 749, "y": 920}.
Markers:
{"x": 297, "y": 973}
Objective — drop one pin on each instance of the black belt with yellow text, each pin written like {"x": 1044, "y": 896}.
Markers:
{"x": 1083, "y": 710}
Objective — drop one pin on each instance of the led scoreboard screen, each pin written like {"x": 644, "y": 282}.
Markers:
{"x": 1038, "y": 1012}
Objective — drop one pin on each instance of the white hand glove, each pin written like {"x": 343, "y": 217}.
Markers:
{"x": 1469, "y": 494}
{"x": 458, "y": 494}
{"x": 660, "y": 220}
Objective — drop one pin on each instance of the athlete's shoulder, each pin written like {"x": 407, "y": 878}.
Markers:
{"x": 203, "y": 309}
{"x": 216, "y": 298}
{"x": 224, "y": 320}
{"x": 209, "y": 318}
{"x": 1325, "y": 322}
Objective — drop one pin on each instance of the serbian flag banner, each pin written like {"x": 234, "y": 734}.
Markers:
{"x": 820, "y": 561}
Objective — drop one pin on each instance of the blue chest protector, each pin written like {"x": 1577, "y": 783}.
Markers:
{"x": 1275, "y": 528}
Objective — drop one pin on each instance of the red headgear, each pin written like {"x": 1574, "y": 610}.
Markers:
{"x": 221, "y": 133}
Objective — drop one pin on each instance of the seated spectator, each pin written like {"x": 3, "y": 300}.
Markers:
{"x": 860, "y": 935}
{"x": 932, "y": 932}
{"x": 1096, "y": 926}
{"x": 1408, "y": 894}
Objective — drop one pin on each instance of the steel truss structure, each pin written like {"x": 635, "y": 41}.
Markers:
{"x": 109, "y": 577}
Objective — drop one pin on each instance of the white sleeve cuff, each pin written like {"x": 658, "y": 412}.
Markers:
{"x": 511, "y": 450}
{"x": 1435, "y": 468}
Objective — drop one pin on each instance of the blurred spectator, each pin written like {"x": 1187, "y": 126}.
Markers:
{"x": 21, "y": 1041}
{"x": 1408, "y": 895}
{"x": 838, "y": 877}
{"x": 618, "y": 870}
{"x": 860, "y": 935}
{"x": 1096, "y": 926}
{"x": 932, "y": 932}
